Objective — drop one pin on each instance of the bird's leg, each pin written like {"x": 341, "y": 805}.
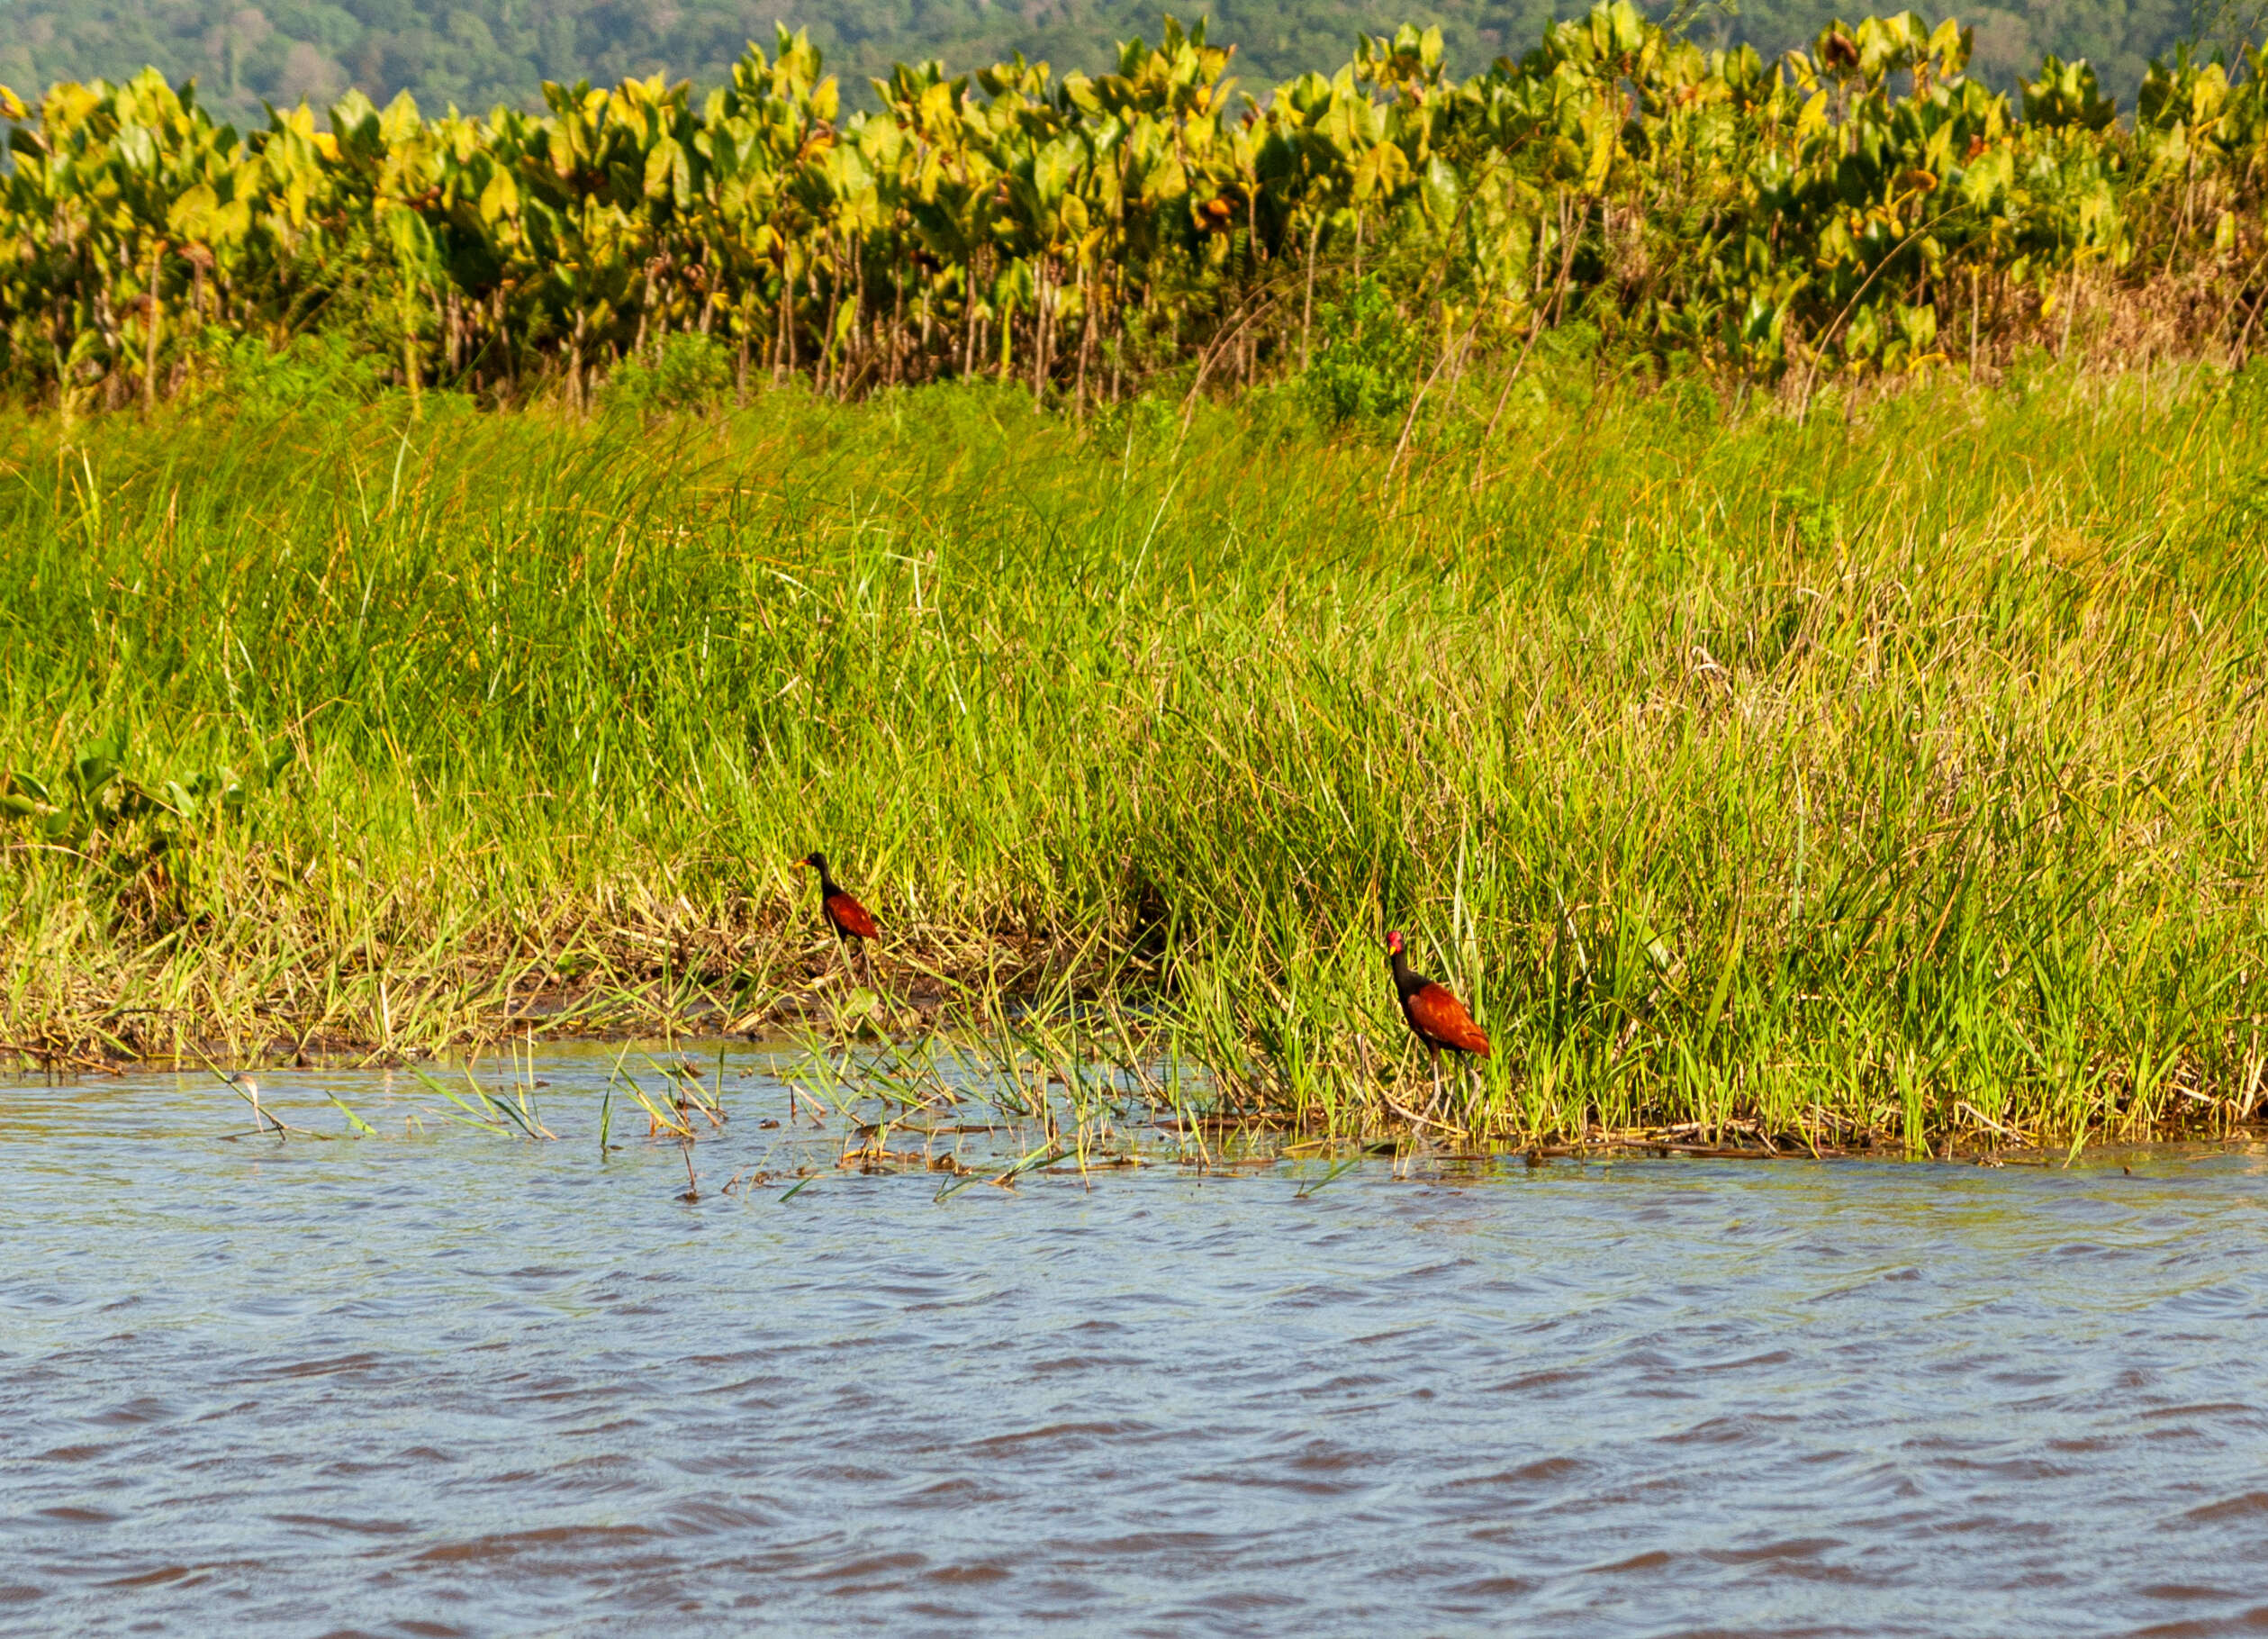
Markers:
{"x": 1435, "y": 1055}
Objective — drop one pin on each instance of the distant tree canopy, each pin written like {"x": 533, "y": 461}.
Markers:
{"x": 479, "y": 53}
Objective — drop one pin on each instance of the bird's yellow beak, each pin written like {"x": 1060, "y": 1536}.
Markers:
{"x": 800, "y": 865}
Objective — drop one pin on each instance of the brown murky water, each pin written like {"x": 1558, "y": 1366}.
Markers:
{"x": 453, "y": 1384}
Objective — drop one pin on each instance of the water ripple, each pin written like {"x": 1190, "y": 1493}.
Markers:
{"x": 458, "y": 1386}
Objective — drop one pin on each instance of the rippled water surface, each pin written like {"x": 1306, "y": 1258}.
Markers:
{"x": 452, "y": 1384}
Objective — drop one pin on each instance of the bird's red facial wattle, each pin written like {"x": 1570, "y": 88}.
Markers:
{"x": 1393, "y": 944}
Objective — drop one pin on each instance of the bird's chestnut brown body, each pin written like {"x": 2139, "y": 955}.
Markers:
{"x": 1435, "y": 1015}
{"x": 843, "y": 914}
{"x": 848, "y": 916}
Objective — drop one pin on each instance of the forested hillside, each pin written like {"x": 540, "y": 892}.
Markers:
{"x": 477, "y": 53}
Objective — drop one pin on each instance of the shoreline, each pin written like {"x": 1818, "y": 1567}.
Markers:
{"x": 1386, "y": 1127}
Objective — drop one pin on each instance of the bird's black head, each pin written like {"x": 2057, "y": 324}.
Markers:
{"x": 816, "y": 860}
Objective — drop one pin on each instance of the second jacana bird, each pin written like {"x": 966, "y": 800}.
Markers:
{"x": 849, "y": 920}
{"x": 1436, "y": 1018}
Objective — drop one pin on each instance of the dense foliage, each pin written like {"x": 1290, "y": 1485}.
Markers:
{"x": 477, "y": 53}
{"x": 1904, "y": 775}
{"x": 1865, "y": 205}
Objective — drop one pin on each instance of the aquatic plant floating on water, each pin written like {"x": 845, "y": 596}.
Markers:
{"x": 249, "y": 1090}
{"x": 263, "y": 1120}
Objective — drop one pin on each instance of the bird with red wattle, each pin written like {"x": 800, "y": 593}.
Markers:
{"x": 1436, "y": 1018}
{"x": 844, "y": 915}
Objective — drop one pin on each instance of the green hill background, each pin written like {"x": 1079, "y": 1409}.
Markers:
{"x": 477, "y": 53}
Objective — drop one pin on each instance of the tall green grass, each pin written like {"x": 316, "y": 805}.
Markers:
{"x": 1895, "y": 771}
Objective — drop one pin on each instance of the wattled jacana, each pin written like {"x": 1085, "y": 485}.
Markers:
{"x": 1436, "y": 1017}
{"x": 849, "y": 919}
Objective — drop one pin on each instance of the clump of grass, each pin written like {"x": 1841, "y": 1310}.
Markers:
{"x": 1895, "y": 777}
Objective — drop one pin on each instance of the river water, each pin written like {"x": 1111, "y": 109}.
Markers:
{"x": 447, "y": 1384}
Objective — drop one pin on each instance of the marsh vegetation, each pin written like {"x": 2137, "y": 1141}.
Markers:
{"x": 1891, "y": 770}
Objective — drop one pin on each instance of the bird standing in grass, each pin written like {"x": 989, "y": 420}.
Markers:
{"x": 850, "y": 919}
{"x": 1435, "y": 1015}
